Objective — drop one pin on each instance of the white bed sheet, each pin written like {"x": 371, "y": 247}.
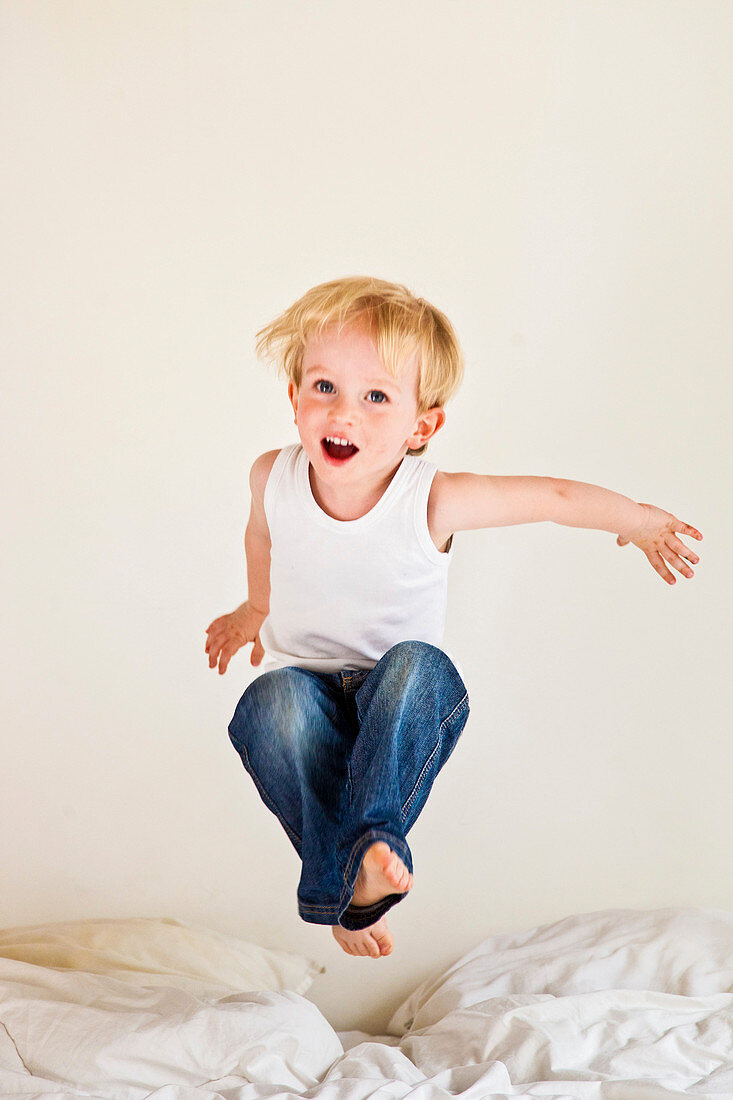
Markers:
{"x": 623, "y": 1005}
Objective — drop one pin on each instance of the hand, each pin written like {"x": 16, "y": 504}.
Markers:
{"x": 656, "y": 537}
{"x": 230, "y": 632}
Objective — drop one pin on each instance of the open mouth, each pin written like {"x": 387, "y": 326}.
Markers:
{"x": 338, "y": 450}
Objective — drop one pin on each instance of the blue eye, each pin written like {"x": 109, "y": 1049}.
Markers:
{"x": 381, "y": 394}
{"x": 322, "y": 382}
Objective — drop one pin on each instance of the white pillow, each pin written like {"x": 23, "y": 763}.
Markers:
{"x": 71, "y": 1033}
{"x": 160, "y": 952}
{"x": 683, "y": 951}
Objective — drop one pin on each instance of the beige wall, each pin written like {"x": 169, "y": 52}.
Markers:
{"x": 557, "y": 178}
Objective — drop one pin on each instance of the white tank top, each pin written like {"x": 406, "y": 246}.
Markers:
{"x": 343, "y": 592}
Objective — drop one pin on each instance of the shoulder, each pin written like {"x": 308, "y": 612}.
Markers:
{"x": 455, "y": 502}
{"x": 258, "y": 475}
{"x": 439, "y": 518}
{"x": 261, "y": 469}
{"x": 439, "y": 493}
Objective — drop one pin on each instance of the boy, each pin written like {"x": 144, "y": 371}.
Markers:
{"x": 349, "y": 539}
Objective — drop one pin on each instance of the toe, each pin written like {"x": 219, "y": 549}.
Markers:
{"x": 383, "y": 938}
{"x": 385, "y": 945}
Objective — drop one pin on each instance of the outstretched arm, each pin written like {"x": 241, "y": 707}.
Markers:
{"x": 464, "y": 502}
{"x": 650, "y": 528}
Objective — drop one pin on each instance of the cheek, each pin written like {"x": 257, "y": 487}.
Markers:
{"x": 311, "y": 421}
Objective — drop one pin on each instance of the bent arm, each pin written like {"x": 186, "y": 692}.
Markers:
{"x": 228, "y": 633}
{"x": 257, "y": 537}
{"x": 257, "y": 551}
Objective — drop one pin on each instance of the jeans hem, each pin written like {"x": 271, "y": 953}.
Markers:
{"x": 356, "y": 918}
{"x": 343, "y": 913}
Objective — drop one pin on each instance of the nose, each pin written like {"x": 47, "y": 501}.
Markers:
{"x": 343, "y": 411}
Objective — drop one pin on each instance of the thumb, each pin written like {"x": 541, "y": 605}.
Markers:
{"x": 258, "y": 651}
{"x": 621, "y": 542}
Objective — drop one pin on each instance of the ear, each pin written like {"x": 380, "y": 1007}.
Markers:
{"x": 427, "y": 424}
{"x": 293, "y": 395}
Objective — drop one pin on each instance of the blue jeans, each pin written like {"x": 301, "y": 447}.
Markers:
{"x": 344, "y": 759}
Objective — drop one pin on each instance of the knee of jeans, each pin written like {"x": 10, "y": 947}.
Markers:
{"x": 258, "y": 711}
{"x": 409, "y": 663}
{"x": 274, "y": 711}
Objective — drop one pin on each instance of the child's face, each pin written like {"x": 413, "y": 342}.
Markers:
{"x": 346, "y": 393}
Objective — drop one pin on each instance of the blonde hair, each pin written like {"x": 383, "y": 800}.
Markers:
{"x": 400, "y": 325}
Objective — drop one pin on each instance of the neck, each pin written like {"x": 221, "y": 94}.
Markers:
{"x": 350, "y": 502}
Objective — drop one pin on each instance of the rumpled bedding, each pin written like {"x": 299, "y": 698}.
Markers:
{"x": 617, "y": 1004}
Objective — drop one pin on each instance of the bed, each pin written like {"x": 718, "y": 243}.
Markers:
{"x": 616, "y": 1004}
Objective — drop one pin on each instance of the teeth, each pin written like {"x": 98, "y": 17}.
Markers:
{"x": 341, "y": 442}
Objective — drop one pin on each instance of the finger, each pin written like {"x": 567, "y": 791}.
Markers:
{"x": 675, "y": 560}
{"x": 657, "y": 562}
{"x": 685, "y": 529}
{"x": 215, "y": 641}
{"x": 684, "y": 551}
{"x": 214, "y": 650}
{"x": 226, "y": 655}
{"x": 258, "y": 651}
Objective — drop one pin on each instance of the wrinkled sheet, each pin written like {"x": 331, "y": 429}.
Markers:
{"x": 482, "y": 1033}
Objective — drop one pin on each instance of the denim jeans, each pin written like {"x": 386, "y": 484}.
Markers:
{"x": 344, "y": 759}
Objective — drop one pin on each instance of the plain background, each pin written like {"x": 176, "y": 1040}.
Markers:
{"x": 557, "y": 178}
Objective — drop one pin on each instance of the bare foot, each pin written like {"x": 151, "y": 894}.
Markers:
{"x": 374, "y": 941}
{"x": 382, "y": 872}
